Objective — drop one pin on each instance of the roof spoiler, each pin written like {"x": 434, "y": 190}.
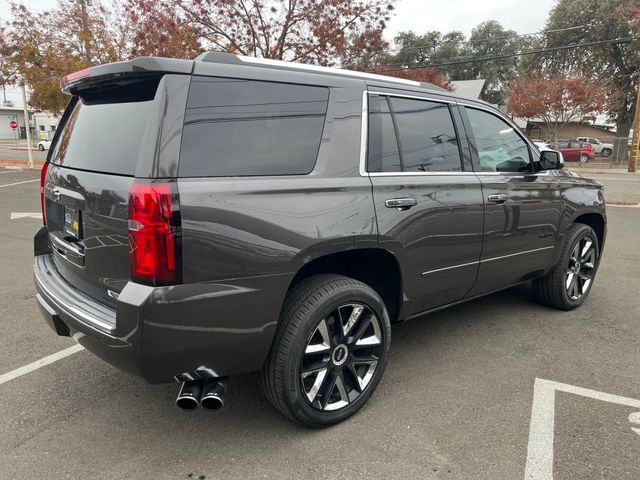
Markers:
{"x": 71, "y": 83}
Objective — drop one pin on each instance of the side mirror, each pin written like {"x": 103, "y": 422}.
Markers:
{"x": 551, "y": 160}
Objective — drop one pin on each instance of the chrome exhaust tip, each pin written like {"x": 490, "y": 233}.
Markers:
{"x": 189, "y": 395}
{"x": 213, "y": 394}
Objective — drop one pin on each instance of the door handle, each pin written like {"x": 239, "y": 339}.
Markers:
{"x": 498, "y": 197}
{"x": 401, "y": 203}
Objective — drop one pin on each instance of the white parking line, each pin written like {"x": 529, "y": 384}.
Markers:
{"x": 19, "y": 183}
{"x": 18, "y": 215}
{"x": 540, "y": 448}
{"x": 18, "y": 372}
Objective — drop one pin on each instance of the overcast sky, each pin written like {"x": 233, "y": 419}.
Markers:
{"x": 523, "y": 16}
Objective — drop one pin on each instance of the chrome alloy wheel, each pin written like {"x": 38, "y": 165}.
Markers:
{"x": 341, "y": 356}
{"x": 581, "y": 268}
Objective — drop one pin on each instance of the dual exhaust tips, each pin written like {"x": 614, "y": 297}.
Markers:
{"x": 210, "y": 394}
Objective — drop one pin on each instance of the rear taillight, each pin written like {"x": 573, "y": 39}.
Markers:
{"x": 154, "y": 233}
{"x": 43, "y": 178}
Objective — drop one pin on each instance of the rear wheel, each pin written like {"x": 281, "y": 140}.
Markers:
{"x": 570, "y": 281}
{"x": 606, "y": 152}
{"x": 584, "y": 158}
{"x": 41, "y": 147}
{"x": 330, "y": 350}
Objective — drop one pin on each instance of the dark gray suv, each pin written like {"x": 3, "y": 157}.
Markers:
{"x": 222, "y": 215}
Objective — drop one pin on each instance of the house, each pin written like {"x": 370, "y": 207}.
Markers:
{"x": 538, "y": 130}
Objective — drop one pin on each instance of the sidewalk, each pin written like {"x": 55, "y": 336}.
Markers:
{"x": 15, "y": 162}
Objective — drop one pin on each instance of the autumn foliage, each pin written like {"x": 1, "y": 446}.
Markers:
{"x": 557, "y": 99}
{"x": 427, "y": 75}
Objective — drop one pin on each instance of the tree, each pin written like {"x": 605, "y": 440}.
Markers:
{"x": 51, "y": 44}
{"x": 8, "y": 66}
{"x": 429, "y": 48}
{"x": 159, "y": 31}
{"x": 308, "y": 31}
{"x": 487, "y": 40}
{"x": 427, "y": 75}
{"x": 557, "y": 99}
{"x": 580, "y": 21}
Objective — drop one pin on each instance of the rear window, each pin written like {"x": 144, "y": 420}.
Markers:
{"x": 104, "y": 131}
{"x": 237, "y": 127}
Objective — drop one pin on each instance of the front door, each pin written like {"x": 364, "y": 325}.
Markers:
{"x": 429, "y": 209}
{"x": 522, "y": 207}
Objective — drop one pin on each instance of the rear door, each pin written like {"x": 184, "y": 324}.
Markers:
{"x": 92, "y": 167}
{"x": 522, "y": 206}
{"x": 428, "y": 203}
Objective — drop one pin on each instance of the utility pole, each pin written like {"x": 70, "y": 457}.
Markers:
{"x": 635, "y": 141}
{"x": 26, "y": 121}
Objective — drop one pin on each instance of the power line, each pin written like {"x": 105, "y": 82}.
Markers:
{"x": 515, "y": 54}
{"x": 502, "y": 37}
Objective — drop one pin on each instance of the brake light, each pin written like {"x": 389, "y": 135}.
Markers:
{"x": 154, "y": 230}
{"x": 43, "y": 178}
{"x": 75, "y": 75}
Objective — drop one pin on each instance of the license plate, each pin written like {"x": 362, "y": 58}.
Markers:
{"x": 72, "y": 222}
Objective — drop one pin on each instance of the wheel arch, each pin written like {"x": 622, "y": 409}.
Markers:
{"x": 376, "y": 267}
{"x": 597, "y": 222}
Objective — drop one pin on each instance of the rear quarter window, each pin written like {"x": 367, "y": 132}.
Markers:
{"x": 104, "y": 129}
{"x": 236, "y": 127}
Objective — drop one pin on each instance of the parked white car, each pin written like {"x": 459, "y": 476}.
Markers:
{"x": 599, "y": 148}
{"x": 44, "y": 145}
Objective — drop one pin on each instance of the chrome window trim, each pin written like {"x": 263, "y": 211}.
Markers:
{"x": 364, "y": 137}
{"x": 484, "y": 260}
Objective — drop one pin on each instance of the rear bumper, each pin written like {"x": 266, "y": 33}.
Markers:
{"x": 160, "y": 332}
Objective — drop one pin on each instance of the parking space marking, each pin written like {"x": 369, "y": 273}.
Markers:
{"x": 18, "y": 372}
{"x": 18, "y": 215}
{"x": 540, "y": 448}
{"x": 19, "y": 183}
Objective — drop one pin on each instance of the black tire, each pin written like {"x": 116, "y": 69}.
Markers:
{"x": 606, "y": 152}
{"x": 41, "y": 148}
{"x": 584, "y": 158}
{"x": 556, "y": 288}
{"x": 325, "y": 300}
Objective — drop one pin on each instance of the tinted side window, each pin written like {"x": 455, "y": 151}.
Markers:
{"x": 384, "y": 154}
{"x": 500, "y": 148}
{"x": 426, "y": 136}
{"x": 237, "y": 127}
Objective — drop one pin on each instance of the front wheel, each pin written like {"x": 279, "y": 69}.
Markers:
{"x": 606, "y": 152}
{"x": 41, "y": 147}
{"x": 330, "y": 350}
{"x": 584, "y": 158}
{"x": 568, "y": 284}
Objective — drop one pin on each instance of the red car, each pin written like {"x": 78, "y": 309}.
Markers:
{"x": 575, "y": 151}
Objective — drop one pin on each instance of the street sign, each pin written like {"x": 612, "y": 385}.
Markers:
{"x": 12, "y": 117}
{"x": 13, "y": 125}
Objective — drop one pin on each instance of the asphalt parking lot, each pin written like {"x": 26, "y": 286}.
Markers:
{"x": 459, "y": 399}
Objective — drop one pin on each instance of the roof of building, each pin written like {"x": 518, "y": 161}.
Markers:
{"x": 469, "y": 88}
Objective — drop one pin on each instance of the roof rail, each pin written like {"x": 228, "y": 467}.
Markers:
{"x": 223, "y": 57}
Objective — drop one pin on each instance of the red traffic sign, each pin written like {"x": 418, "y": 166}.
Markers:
{"x": 13, "y": 125}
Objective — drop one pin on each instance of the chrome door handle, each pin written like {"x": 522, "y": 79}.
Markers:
{"x": 401, "y": 203}
{"x": 498, "y": 197}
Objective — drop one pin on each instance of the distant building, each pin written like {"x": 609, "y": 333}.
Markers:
{"x": 42, "y": 124}
{"x": 538, "y": 130}
{"x": 470, "y": 88}
{"x": 7, "y": 115}
{"x": 45, "y": 124}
